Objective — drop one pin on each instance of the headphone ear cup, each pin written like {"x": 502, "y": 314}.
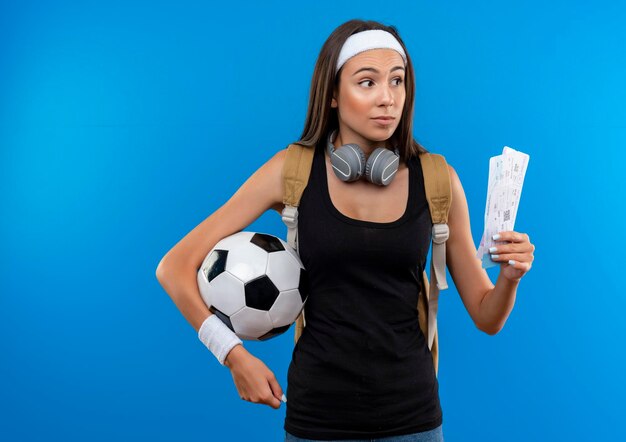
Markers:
{"x": 382, "y": 166}
{"x": 348, "y": 162}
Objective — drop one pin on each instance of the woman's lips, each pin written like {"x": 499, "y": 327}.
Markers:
{"x": 383, "y": 121}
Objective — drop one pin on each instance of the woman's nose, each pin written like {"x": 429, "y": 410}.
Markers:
{"x": 386, "y": 96}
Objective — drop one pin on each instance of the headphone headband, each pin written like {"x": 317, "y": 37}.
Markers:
{"x": 330, "y": 147}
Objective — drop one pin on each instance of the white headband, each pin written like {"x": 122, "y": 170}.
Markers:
{"x": 366, "y": 40}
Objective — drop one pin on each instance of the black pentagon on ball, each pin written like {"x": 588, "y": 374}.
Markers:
{"x": 260, "y": 293}
{"x": 216, "y": 263}
{"x": 223, "y": 317}
{"x": 274, "y": 332}
{"x": 304, "y": 286}
{"x": 267, "y": 242}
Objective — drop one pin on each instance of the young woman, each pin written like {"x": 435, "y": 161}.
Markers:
{"x": 362, "y": 369}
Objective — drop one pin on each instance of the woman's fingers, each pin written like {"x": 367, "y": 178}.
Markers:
{"x": 277, "y": 391}
{"x": 512, "y": 236}
{"x": 517, "y": 243}
{"x": 517, "y": 261}
{"x": 514, "y": 251}
{"x": 524, "y": 266}
{"x": 512, "y": 248}
{"x": 519, "y": 257}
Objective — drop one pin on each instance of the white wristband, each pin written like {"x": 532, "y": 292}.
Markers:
{"x": 217, "y": 337}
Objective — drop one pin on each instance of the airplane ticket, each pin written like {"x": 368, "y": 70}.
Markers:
{"x": 504, "y": 190}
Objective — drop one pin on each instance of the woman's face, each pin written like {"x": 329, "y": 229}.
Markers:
{"x": 371, "y": 84}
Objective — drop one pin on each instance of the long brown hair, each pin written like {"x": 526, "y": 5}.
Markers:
{"x": 321, "y": 118}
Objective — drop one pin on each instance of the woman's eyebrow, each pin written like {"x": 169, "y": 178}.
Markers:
{"x": 367, "y": 68}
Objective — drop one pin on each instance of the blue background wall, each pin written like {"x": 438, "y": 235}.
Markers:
{"x": 116, "y": 121}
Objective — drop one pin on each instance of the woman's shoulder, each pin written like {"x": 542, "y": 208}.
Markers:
{"x": 417, "y": 159}
{"x": 276, "y": 163}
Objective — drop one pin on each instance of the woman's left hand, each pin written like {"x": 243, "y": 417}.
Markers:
{"x": 515, "y": 247}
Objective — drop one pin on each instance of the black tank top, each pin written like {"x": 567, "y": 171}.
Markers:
{"x": 362, "y": 367}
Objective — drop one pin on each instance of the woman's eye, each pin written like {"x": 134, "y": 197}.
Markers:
{"x": 370, "y": 81}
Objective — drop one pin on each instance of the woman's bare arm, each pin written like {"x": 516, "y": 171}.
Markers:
{"x": 470, "y": 279}
{"x": 488, "y": 305}
{"x": 177, "y": 270}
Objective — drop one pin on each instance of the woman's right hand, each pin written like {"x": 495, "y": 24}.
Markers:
{"x": 255, "y": 382}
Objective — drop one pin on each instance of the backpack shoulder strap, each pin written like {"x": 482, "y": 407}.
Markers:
{"x": 296, "y": 173}
{"x": 439, "y": 195}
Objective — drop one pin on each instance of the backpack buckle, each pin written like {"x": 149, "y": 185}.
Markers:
{"x": 441, "y": 232}
{"x": 290, "y": 216}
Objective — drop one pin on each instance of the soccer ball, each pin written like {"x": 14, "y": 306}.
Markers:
{"x": 255, "y": 283}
